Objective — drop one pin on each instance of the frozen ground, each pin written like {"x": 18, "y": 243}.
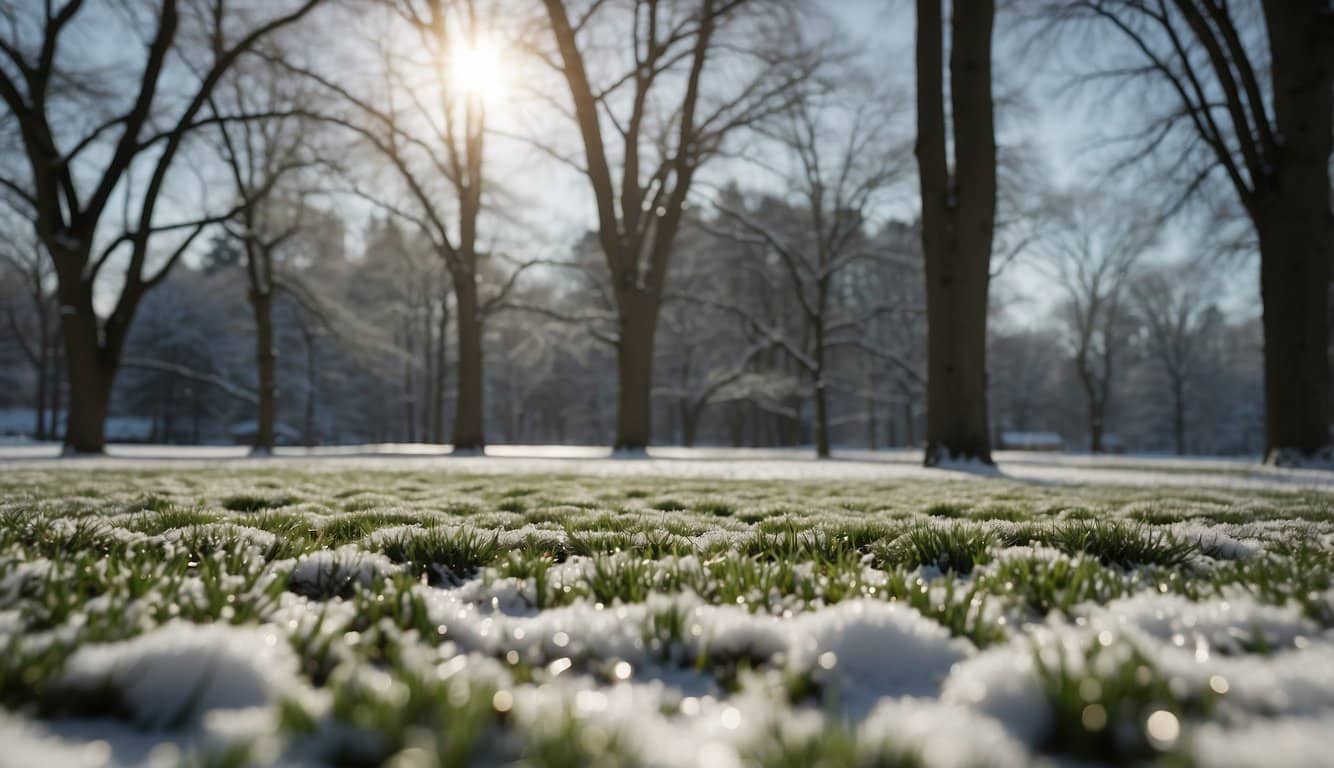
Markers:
{"x": 733, "y": 463}
{"x": 713, "y": 608}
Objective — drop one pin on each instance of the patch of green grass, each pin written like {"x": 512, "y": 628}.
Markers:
{"x": 1116, "y": 543}
{"x": 442, "y": 553}
{"x": 343, "y": 529}
{"x": 1113, "y": 705}
{"x": 956, "y": 548}
{"x": 1045, "y": 585}
{"x": 159, "y": 521}
{"x": 833, "y": 746}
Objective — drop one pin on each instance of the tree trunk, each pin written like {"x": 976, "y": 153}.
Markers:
{"x": 43, "y": 358}
{"x": 909, "y": 420}
{"x": 870, "y": 413}
{"x": 89, "y": 395}
{"x": 468, "y": 434}
{"x": 958, "y": 214}
{"x": 1095, "y": 425}
{"x": 634, "y": 366}
{"x": 308, "y": 418}
{"x": 57, "y": 394}
{"x": 430, "y": 377}
{"x": 91, "y": 368}
{"x": 1292, "y": 219}
{"x": 441, "y": 345}
{"x": 261, "y": 303}
{"x": 1179, "y": 416}
{"x": 821, "y": 420}
{"x": 690, "y": 424}
{"x": 409, "y": 388}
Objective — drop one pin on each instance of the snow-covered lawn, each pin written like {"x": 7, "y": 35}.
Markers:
{"x": 724, "y": 609}
{"x": 733, "y": 463}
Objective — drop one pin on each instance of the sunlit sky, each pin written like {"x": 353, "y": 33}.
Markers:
{"x": 1057, "y": 126}
{"x": 549, "y": 206}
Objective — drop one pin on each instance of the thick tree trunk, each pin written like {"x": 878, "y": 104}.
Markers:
{"x": 1294, "y": 281}
{"x": 1292, "y": 219}
{"x": 634, "y": 366}
{"x": 261, "y": 304}
{"x": 90, "y": 363}
{"x": 468, "y": 434}
{"x": 1095, "y": 428}
{"x": 90, "y": 382}
{"x": 958, "y": 212}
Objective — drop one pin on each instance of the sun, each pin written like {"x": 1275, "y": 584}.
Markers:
{"x": 478, "y": 69}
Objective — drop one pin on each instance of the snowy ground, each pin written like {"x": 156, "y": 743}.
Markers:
{"x": 695, "y": 608}
{"x": 724, "y": 463}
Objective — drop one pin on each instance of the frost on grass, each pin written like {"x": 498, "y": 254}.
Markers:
{"x": 280, "y": 617}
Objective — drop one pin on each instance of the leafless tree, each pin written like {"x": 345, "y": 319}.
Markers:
{"x": 844, "y": 157}
{"x": 958, "y": 222}
{"x": 432, "y": 133}
{"x": 1247, "y": 94}
{"x": 698, "y": 71}
{"x": 1091, "y": 252}
{"x": 87, "y": 150}
{"x": 263, "y": 158}
{"x": 29, "y": 303}
{"x": 1176, "y": 306}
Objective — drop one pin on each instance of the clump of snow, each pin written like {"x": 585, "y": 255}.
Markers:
{"x": 943, "y": 735}
{"x": 222, "y": 533}
{"x": 175, "y": 673}
{"x": 26, "y": 744}
{"x": 1002, "y": 683}
{"x": 1212, "y": 541}
{"x": 1295, "y": 742}
{"x": 1206, "y": 627}
{"x": 326, "y": 572}
{"x": 872, "y": 649}
{"x": 24, "y": 576}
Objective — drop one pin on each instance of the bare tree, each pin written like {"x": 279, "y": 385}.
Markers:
{"x": 1177, "y": 308}
{"x": 428, "y": 134}
{"x": 669, "y": 111}
{"x": 1091, "y": 251}
{"x": 30, "y": 315}
{"x": 84, "y": 150}
{"x": 958, "y": 222}
{"x": 1257, "y": 109}
{"x": 262, "y": 157}
{"x": 844, "y": 157}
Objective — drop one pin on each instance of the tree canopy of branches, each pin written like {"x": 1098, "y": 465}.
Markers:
{"x": 670, "y": 110}
{"x": 845, "y": 157}
{"x": 1270, "y": 138}
{"x": 86, "y": 148}
{"x": 1090, "y": 253}
{"x": 1177, "y": 309}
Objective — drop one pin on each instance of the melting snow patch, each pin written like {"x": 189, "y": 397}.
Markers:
{"x": 943, "y": 735}
{"x": 1298, "y": 742}
{"x": 874, "y": 649}
{"x": 173, "y": 674}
